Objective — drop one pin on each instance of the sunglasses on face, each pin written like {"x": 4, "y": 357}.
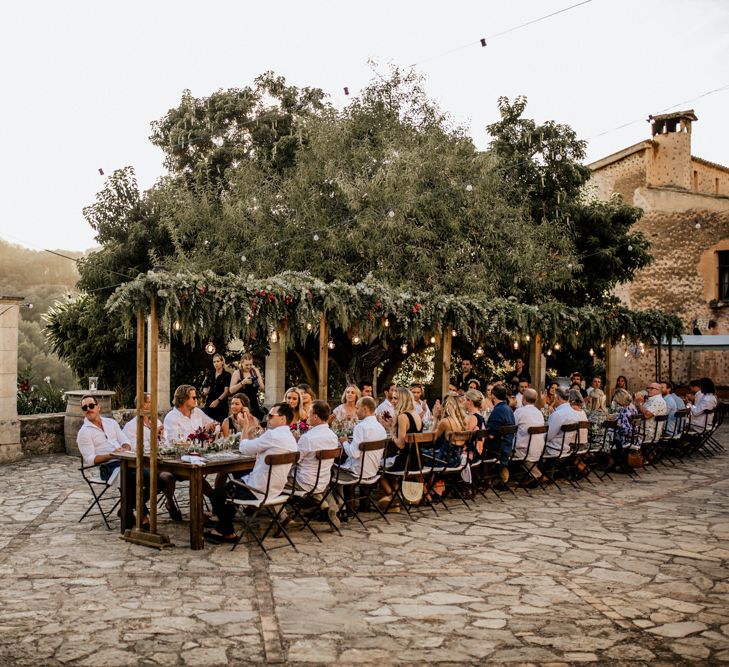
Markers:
{"x": 88, "y": 406}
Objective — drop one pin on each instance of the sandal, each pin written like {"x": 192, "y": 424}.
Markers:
{"x": 217, "y": 538}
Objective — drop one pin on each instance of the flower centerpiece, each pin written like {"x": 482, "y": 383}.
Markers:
{"x": 297, "y": 428}
{"x": 344, "y": 427}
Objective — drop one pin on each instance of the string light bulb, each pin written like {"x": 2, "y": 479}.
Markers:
{"x": 557, "y": 346}
{"x": 386, "y": 323}
{"x": 592, "y": 352}
{"x": 274, "y": 336}
{"x": 176, "y": 325}
{"x": 356, "y": 340}
{"x": 243, "y": 258}
{"x": 432, "y": 340}
{"x": 210, "y": 347}
{"x": 549, "y": 353}
{"x": 454, "y": 333}
{"x": 516, "y": 344}
{"x": 330, "y": 344}
{"x": 469, "y": 188}
{"x": 316, "y": 237}
{"x": 404, "y": 348}
{"x": 527, "y": 338}
{"x": 479, "y": 351}
{"x": 391, "y": 213}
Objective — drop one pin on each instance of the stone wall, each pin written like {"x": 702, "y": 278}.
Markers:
{"x": 708, "y": 179}
{"x": 622, "y": 177}
{"x": 42, "y": 434}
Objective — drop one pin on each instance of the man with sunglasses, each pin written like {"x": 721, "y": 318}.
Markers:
{"x": 98, "y": 439}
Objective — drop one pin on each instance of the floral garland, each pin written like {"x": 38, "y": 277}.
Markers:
{"x": 290, "y": 304}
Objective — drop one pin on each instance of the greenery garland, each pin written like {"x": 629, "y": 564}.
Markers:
{"x": 290, "y": 304}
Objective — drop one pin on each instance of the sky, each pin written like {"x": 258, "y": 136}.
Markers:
{"x": 82, "y": 80}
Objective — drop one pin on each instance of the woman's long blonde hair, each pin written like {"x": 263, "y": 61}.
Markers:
{"x": 298, "y": 416}
{"x": 453, "y": 409}
{"x": 405, "y": 401}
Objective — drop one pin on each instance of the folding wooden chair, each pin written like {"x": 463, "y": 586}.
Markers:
{"x": 99, "y": 487}
{"x": 521, "y": 465}
{"x": 414, "y": 470}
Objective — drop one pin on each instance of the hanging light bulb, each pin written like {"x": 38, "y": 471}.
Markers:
{"x": 330, "y": 344}
{"x": 527, "y": 338}
{"x": 210, "y": 347}
{"x": 432, "y": 340}
{"x": 309, "y": 326}
{"x": 592, "y": 352}
{"x": 622, "y": 337}
{"x": 602, "y": 345}
{"x": 316, "y": 237}
{"x": 625, "y": 354}
{"x": 549, "y": 353}
{"x": 391, "y": 213}
{"x": 274, "y": 336}
{"x": 516, "y": 344}
{"x": 243, "y": 258}
{"x": 386, "y": 323}
{"x": 454, "y": 333}
{"x": 404, "y": 348}
{"x": 557, "y": 346}
{"x": 479, "y": 351}
{"x": 356, "y": 340}
{"x": 177, "y": 326}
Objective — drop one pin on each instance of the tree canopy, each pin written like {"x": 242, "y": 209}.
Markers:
{"x": 272, "y": 186}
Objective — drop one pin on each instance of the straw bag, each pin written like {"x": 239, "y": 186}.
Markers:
{"x": 412, "y": 490}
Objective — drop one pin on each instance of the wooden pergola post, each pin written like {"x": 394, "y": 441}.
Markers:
{"x": 537, "y": 365}
{"x": 146, "y": 538}
{"x": 323, "y": 358}
{"x": 446, "y": 349}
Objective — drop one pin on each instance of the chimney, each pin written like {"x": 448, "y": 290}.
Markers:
{"x": 669, "y": 164}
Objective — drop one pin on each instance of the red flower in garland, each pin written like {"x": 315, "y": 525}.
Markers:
{"x": 288, "y": 300}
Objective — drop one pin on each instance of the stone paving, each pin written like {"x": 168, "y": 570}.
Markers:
{"x": 625, "y": 572}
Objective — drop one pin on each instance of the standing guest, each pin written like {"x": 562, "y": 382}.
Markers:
{"x": 465, "y": 376}
{"x": 347, "y": 409}
{"x": 366, "y": 389}
{"x": 98, "y": 439}
{"x": 307, "y": 394}
{"x": 563, "y": 414}
{"x": 673, "y": 402}
{"x": 519, "y": 373}
{"x": 706, "y": 401}
{"x": 654, "y": 405}
{"x": 317, "y": 438}
{"x": 576, "y": 383}
{"x": 386, "y": 410}
{"x": 185, "y": 417}
{"x": 295, "y": 398}
{"x": 525, "y": 417}
{"x": 497, "y": 444}
{"x": 620, "y": 383}
{"x": 165, "y": 480}
{"x": 595, "y": 384}
{"x": 522, "y": 387}
{"x": 215, "y": 390}
{"x": 249, "y": 380}
{"x": 235, "y": 421}
{"x": 421, "y": 405}
{"x": 276, "y": 439}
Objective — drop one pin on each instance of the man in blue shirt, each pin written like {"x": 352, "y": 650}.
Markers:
{"x": 673, "y": 403}
{"x": 498, "y": 445}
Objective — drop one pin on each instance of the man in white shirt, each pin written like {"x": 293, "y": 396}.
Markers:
{"x": 519, "y": 398}
{"x": 527, "y": 416}
{"x": 276, "y": 439}
{"x": 98, "y": 439}
{"x": 563, "y": 414}
{"x": 596, "y": 384}
{"x": 421, "y": 406}
{"x": 654, "y": 405}
{"x": 318, "y": 437}
{"x": 165, "y": 480}
{"x": 185, "y": 417}
{"x": 386, "y": 409}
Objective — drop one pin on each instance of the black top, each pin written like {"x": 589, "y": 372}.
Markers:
{"x": 462, "y": 381}
{"x": 217, "y": 385}
{"x": 402, "y": 454}
{"x": 251, "y": 391}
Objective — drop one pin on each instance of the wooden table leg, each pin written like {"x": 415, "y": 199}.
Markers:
{"x": 197, "y": 540}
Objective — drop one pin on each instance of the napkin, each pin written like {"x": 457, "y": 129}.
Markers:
{"x": 195, "y": 460}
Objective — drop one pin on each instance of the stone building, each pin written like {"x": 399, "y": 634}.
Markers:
{"x": 685, "y": 200}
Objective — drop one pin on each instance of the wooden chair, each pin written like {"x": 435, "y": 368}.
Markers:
{"x": 414, "y": 470}
{"x": 521, "y": 465}
{"x": 272, "y": 505}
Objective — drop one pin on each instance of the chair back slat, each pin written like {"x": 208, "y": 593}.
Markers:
{"x": 287, "y": 458}
{"x": 326, "y": 454}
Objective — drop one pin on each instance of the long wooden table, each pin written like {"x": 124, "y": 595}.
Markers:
{"x": 181, "y": 470}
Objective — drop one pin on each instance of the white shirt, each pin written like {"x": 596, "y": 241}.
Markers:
{"x": 367, "y": 430}
{"x": 525, "y": 417}
{"x": 92, "y": 440}
{"x": 178, "y": 427}
{"x": 130, "y": 430}
{"x": 703, "y": 402}
{"x": 423, "y": 411}
{"x": 519, "y": 399}
{"x": 315, "y": 439}
{"x": 656, "y": 405}
{"x": 385, "y": 405}
{"x": 273, "y": 441}
{"x": 562, "y": 415}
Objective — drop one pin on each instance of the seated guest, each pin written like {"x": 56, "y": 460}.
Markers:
{"x": 595, "y": 384}
{"x": 654, "y": 405}
{"x": 627, "y": 411}
{"x": 577, "y": 403}
{"x": 673, "y": 403}
{"x": 235, "y": 421}
{"x": 500, "y": 445}
{"x": 98, "y": 439}
{"x": 406, "y": 421}
{"x": 185, "y": 417}
{"x": 576, "y": 379}
{"x": 386, "y": 410}
{"x": 421, "y": 405}
{"x": 563, "y": 414}
{"x": 318, "y": 437}
{"x": 596, "y": 401}
{"x": 474, "y": 384}
{"x": 276, "y": 439}
{"x": 621, "y": 382}
{"x": 295, "y": 398}
{"x": 473, "y": 403}
{"x": 307, "y": 393}
{"x": 451, "y": 417}
{"x": 368, "y": 429}
{"x": 347, "y": 409}
{"x": 165, "y": 480}
{"x": 547, "y": 402}
{"x": 519, "y": 373}
{"x": 704, "y": 399}
{"x": 522, "y": 386}
{"x": 525, "y": 417}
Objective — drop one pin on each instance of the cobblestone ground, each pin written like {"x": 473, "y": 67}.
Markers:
{"x": 625, "y": 572}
